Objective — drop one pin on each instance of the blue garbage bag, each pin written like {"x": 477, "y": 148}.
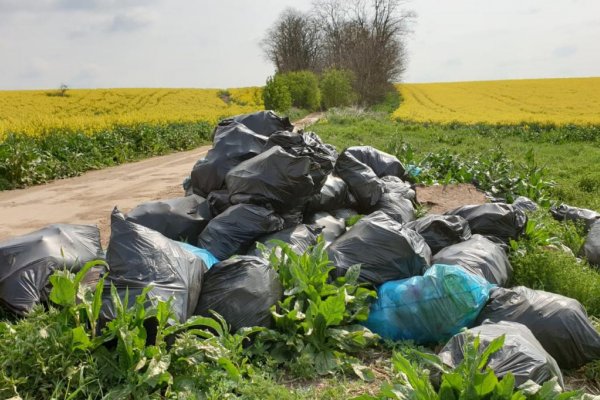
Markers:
{"x": 203, "y": 254}
{"x": 429, "y": 308}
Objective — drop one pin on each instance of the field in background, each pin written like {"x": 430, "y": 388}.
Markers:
{"x": 36, "y": 112}
{"x": 542, "y": 101}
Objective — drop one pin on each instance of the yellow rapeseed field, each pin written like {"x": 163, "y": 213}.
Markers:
{"x": 38, "y": 111}
{"x": 557, "y": 101}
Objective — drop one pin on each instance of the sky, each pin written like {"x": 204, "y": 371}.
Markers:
{"x": 216, "y": 43}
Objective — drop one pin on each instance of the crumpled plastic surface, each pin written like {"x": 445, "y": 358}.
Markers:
{"x": 262, "y": 122}
{"x": 385, "y": 250}
{"x": 494, "y": 219}
{"x": 206, "y": 256}
{"x": 300, "y": 238}
{"x": 139, "y": 257}
{"x": 242, "y": 289}
{"x": 591, "y": 247}
{"x": 429, "y": 308}
{"x": 565, "y": 212}
{"x": 559, "y": 323}
{"x": 480, "y": 256}
{"x": 332, "y": 227}
{"x": 363, "y": 182}
{"x": 236, "y": 229}
{"x": 440, "y": 231}
{"x": 522, "y": 354}
{"x": 383, "y": 164}
{"x": 333, "y": 195}
{"x": 181, "y": 218}
{"x": 28, "y": 261}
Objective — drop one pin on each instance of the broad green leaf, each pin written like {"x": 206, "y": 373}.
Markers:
{"x": 64, "y": 291}
{"x": 492, "y": 348}
{"x": 325, "y": 362}
{"x": 81, "y": 340}
{"x": 363, "y": 372}
{"x": 230, "y": 368}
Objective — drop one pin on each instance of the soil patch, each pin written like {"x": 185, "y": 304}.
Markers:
{"x": 438, "y": 199}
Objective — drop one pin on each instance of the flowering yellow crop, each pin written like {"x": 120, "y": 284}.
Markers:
{"x": 557, "y": 101}
{"x": 36, "y": 112}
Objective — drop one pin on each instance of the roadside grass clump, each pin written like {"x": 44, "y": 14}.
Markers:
{"x": 28, "y": 160}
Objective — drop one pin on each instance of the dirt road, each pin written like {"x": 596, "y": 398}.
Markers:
{"x": 90, "y": 198}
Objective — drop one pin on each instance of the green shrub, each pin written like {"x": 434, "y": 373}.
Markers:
{"x": 304, "y": 89}
{"x": 276, "y": 94}
{"x": 336, "y": 88}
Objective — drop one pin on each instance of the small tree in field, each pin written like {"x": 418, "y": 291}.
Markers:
{"x": 336, "y": 88}
{"x": 276, "y": 95}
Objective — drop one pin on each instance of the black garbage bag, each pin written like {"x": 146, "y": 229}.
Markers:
{"x": 292, "y": 217}
{"x": 262, "y": 122}
{"x": 181, "y": 218}
{"x": 232, "y": 144}
{"x": 309, "y": 144}
{"x": 344, "y": 213}
{"x": 218, "y": 201}
{"x": 362, "y": 181}
{"x": 274, "y": 177}
{"x": 385, "y": 250}
{"x": 383, "y": 164}
{"x": 242, "y": 289}
{"x": 236, "y": 229}
{"x": 591, "y": 248}
{"x": 525, "y": 204}
{"x": 480, "y": 256}
{"x": 332, "y": 227}
{"x": 565, "y": 212}
{"x": 140, "y": 257}
{"x": 300, "y": 238}
{"x": 494, "y": 219}
{"x": 397, "y": 186}
{"x": 333, "y": 195}
{"x": 28, "y": 261}
{"x": 400, "y": 209}
{"x": 522, "y": 354}
{"x": 441, "y": 231}
{"x": 559, "y": 323}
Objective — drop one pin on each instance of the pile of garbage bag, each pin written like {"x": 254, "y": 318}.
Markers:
{"x": 262, "y": 182}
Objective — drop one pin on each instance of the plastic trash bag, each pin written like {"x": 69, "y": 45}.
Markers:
{"x": 565, "y": 212}
{"x": 140, "y": 257}
{"x": 441, "y": 231}
{"x": 591, "y": 248}
{"x": 242, "y": 289}
{"x": 206, "y": 256}
{"x": 362, "y": 181}
{"x": 522, "y": 354}
{"x": 429, "y": 308}
{"x": 525, "y": 204}
{"x": 181, "y": 218}
{"x": 236, "y": 229}
{"x": 332, "y": 227}
{"x": 396, "y": 200}
{"x": 218, "y": 201}
{"x": 28, "y": 261}
{"x": 232, "y": 144}
{"x": 333, "y": 195}
{"x": 397, "y": 186}
{"x": 261, "y": 122}
{"x": 480, "y": 256}
{"x": 559, "y": 323}
{"x": 385, "y": 250}
{"x": 300, "y": 238}
{"x": 494, "y": 219}
{"x": 274, "y": 177}
{"x": 383, "y": 164}
{"x": 309, "y": 144}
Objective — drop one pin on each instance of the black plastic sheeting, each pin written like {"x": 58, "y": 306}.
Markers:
{"x": 383, "y": 164}
{"x": 440, "y": 231}
{"x": 559, "y": 323}
{"x": 494, "y": 219}
{"x": 309, "y": 144}
{"x": 218, "y": 201}
{"x": 362, "y": 181}
{"x": 242, "y": 289}
{"x": 591, "y": 248}
{"x": 261, "y": 122}
{"x": 332, "y": 227}
{"x": 140, "y": 257}
{"x": 232, "y": 144}
{"x": 333, "y": 195}
{"x": 274, "y": 178}
{"x": 385, "y": 250}
{"x": 522, "y": 354}
{"x": 565, "y": 212}
{"x": 236, "y": 229}
{"x": 398, "y": 187}
{"x": 478, "y": 255}
{"x": 181, "y": 218}
{"x": 300, "y": 238}
{"x": 28, "y": 261}
{"x": 525, "y": 204}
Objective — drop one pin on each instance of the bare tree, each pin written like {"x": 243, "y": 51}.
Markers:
{"x": 293, "y": 42}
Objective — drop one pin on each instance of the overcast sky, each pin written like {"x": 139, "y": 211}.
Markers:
{"x": 215, "y": 43}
